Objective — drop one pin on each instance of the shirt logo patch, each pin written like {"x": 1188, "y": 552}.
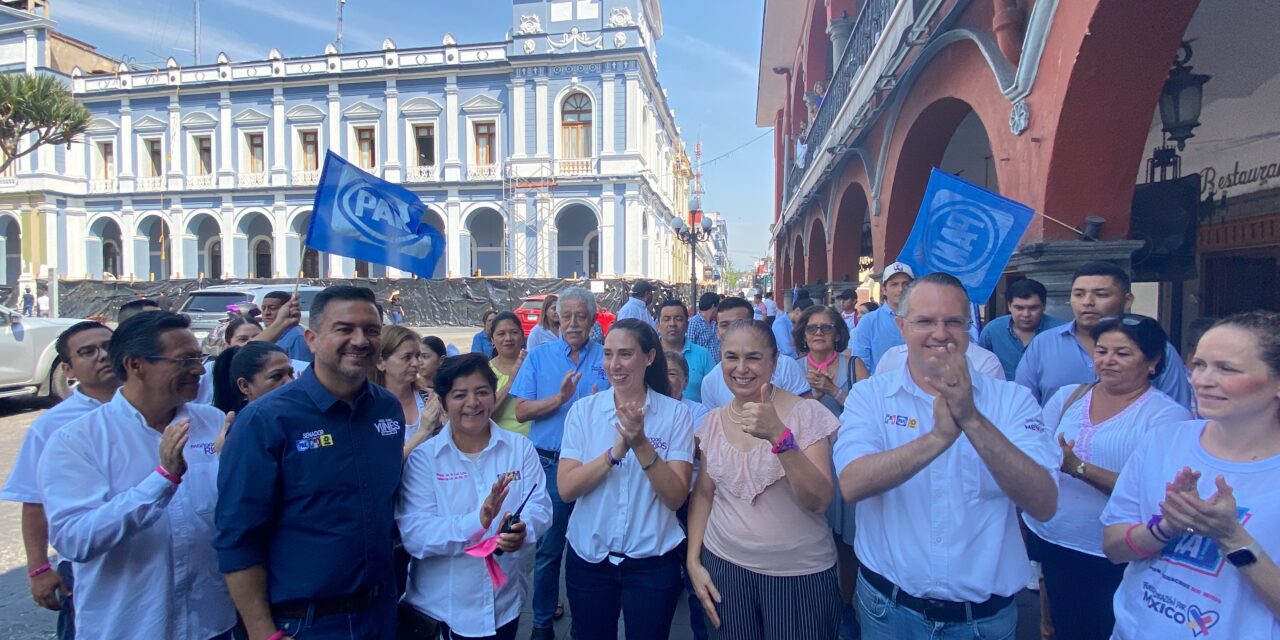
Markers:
{"x": 314, "y": 440}
{"x": 1034, "y": 424}
{"x": 1198, "y": 553}
{"x": 387, "y": 427}
{"x": 901, "y": 421}
{"x": 515, "y": 475}
{"x": 453, "y": 475}
{"x": 206, "y": 448}
{"x": 658, "y": 443}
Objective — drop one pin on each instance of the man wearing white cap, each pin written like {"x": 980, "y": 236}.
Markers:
{"x": 878, "y": 331}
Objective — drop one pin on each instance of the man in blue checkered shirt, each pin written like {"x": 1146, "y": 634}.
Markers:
{"x": 702, "y": 326}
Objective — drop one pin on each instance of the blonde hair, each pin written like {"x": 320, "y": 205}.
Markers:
{"x": 393, "y": 337}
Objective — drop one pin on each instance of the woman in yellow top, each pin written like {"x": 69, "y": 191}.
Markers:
{"x": 508, "y": 342}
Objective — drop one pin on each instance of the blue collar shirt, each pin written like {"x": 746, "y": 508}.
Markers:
{"x": 1055, "y": 359}
{"x": 540, "y": 377}
{"x": 139, "y": 544}
{"x": 294, "y": 343}
{"x": 703, "y": 333}
{"x": 782, "y": 328}
{"x": 999, "y": 338}
{"x": 700, "y": 364}
{"x": 23, "y": 485}
{"x": 876, "y": 333}
{"x": 307, "y": 489}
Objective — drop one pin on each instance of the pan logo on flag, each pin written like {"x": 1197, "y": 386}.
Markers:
{"x": 375, "y": 217}
{"x": 961, "y": 234}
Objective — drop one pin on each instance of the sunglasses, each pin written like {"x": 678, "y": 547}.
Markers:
{"x": 817, "y": 329}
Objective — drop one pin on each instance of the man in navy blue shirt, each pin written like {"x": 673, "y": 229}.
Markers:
{"x": 306, "y": 488}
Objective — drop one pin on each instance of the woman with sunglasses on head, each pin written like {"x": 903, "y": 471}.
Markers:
{"x": 1098, "y": 425}
{"x": 548, "y": 327}
{"x": 509, "y": 354}
{"x": 398, "y": 368}
{"x": 626, "y": 458}
{"x": 821, "y": 338}
{"x": 1195, "y": 511}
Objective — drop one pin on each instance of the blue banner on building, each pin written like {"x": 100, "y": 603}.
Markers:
{"x": 966, "y": 231}
{"x": 364, "y": 217}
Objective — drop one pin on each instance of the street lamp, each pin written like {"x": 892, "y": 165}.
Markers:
{"x": 1181, "y": 99}
{"x": 692, "y": 236}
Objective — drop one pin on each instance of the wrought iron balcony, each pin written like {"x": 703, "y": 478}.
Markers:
{"x": 421, "y": 173}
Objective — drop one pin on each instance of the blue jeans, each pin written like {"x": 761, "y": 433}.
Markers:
{"x": 375, "y": 622}
{"x": 67, "y": 616}
{"x": 645, "y": 591}
{"x": 546, "y": 570}
{"x": 883, "y": 619}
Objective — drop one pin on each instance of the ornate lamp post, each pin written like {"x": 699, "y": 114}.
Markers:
{"x": 692, "y": 236}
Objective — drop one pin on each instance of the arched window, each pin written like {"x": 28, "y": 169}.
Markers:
{"x": 575, "y": 126}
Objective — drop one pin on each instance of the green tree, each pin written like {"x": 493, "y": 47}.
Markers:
{"x": 38, "y": 106}
{"x": 731, "y": 279}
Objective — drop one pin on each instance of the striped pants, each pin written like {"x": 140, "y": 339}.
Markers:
{"x": 755, "y": 606}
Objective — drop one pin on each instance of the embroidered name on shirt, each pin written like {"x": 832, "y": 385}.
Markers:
{"x": 453, "y": 475}
{"x": 314, "y": 440}
{"x": 658, "y": 443}
{"x": 901, "y": 421}
{"x": 206, "y": 448}
{"x": 1034, "y": 424}
{"x": 387, "y": 427}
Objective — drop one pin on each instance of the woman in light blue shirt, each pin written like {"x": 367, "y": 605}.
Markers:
{"x": 626, "y": 458}
{"x": 1098, "y": 425}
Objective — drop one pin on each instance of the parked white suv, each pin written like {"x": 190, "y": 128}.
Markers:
{"x": 207, "y": 307}
{"x": 29, "y": 365}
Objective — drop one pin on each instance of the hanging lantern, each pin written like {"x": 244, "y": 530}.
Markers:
{"x": 1181, "y": 99}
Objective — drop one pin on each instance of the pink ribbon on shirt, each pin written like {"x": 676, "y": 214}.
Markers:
{"x": 484, "y": 549}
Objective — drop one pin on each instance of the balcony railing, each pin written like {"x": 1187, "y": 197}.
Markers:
{"x": 8, "y": 182}
{"x": 422, "y": 173}
{"x": 306, "y": 177}
{"x": 478, "y": 172}
{"x": 201, "y": 181}
{"x": 150, "y": 183}
{"x": 867, "y": 32}
{"x": 252, "y": 179}
{"x": 575, "y": 166}
{"x": 105, "y": 185}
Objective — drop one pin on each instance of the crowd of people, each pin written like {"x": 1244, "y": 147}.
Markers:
{"x": 820, "y": 472}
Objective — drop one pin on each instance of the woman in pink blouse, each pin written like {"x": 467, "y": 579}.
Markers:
{"x": 760, "y": 553}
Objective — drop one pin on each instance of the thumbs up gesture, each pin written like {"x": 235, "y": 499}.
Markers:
{"x": 760, "y": 419}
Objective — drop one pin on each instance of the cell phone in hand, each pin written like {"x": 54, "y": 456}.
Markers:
{"x": 508, "y": 525}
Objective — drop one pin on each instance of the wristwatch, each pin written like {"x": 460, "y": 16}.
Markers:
{"x": 1079, "y": 470}
{"x": 1244, "y": 556}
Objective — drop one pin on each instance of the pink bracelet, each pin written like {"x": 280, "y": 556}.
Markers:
{"x": 785, "y": 443}
{"x": 44, "y": 568}
{"x": 279, "y": 635}
{"x": 1128, "y": 541}
{"x": 167, "y": 475}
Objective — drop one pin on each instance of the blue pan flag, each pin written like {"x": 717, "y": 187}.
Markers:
{"x": 364, "y": 217}
{"x": 966, "y": 231}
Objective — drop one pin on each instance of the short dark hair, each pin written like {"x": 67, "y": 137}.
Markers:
{"x": 458, "y": 366}
{"x": 871, "y": 305}
{"x": 1196, "y": 330}
{"x": 234, "y": 325}
{"x": 655, "y": 375}
{"x": 708, "y": 300}
{"x": 673, "y": 302}
{"x": 848, "y": 294}
{"x": 677, "y": 358}
{"x": 435, "y": 344}
{"x": 134, "y": 307}
{"x": 281, "y": 296}
{"x": 1026, "y": 288}
{"x": 841, "y": 335}
{"x": 235, "y": 363}
{"x": 729, "y": 303}
{"x": 139, "y": 337}
{"x": 61, "y": 345}
{"x": 1143, "y": 331}
{"x": 1101, "y": 268}
{"x": 337, "y": 292}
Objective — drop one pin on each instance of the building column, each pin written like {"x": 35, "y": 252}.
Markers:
{"x": 633, "y": 212}
{"x": 633, "y": 119}
{"x": 339, "y": 266}
{"x": 1054, "y": 263}
{"x": 335, "y": 120}
{"x": 31, "y": 48}
{"x": 226, "y": 174}
{"x": 519, "y": 147}
{"x": 607, "y": 243}
{"x": 391, "y": 168}
{"x": 839, "y": 31}
{"x": 607, "y": 101}
{"x": 547, "y": 239}
{"x": 540, "y": 112}
{"x": 175, "y": 146}
{"x": 453, "y": 117}
{"x": 126, "y": 147}
{"x": 279, "y": 170}
{"x": 227, "y": 236}
{"x": 176, "y": 248}
{"x": 280, "y": 241}
{"x": 453, "y": 244}
{"x": 127, "y": 239}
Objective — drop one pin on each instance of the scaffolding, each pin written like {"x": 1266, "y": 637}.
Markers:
{"x": 523, "y": 250}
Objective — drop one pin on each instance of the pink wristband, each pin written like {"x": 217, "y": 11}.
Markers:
{"x": 279, "y": 635}
{"x": 785, "y": 443}
{"x": 44, "y": 568}
{"x": 1128, "y": 541}
{"x": 167, "y": 475}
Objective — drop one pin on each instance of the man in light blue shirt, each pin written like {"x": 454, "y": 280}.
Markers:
{"x": 673, "y": 322}
{"x": 293, "y": 340}
{"x": 637, "y": 306}
{"x": 1064, "y": 355}
{"x": 1008, "y": 336}
{"x": 554, "y": 376}
{"x": 878, "y": 331}
{"x": 786, "y": 323}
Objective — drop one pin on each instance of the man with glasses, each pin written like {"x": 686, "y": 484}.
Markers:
{"x": 129, "y": 490}
{"x": 82, "y": 350}
{"x": 937, "y": 523}
{"x": 1064, "y": 355}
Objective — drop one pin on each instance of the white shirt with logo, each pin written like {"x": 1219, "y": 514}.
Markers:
{"x": 623, "y": 514}
{"x": 142, "y": 547}
{"x": 1190, "y": 590}
{"x": 438, "y": 514}
{"x": 980, "y": 360}
{"x": 949, "y": 532}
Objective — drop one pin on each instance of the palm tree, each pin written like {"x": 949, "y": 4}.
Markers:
{"x": 39, "y": 106}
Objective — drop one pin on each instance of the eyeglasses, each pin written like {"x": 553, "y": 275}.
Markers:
{"x": 816, "y": 329}
{"x": 1126, "y": 319}
{"x": 924, "y": 325}
{"x": 183, "y": 363}
{"x": 92, "y": 351}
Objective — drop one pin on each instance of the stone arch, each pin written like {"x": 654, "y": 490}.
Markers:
{"x": 486, "y": 228}
{"x": 797, "y": 260}
{"x": 104, "y": 247}
{"x": 850, "y": 232}
{"x": 816, "y": 253}
{"x": 203, "y": 254}
{"x": 10, "y": 248}
{"x": 311, "y": 263}
{"x": 577, "y": 243}
{"x": 153, "y": 247}
{"x": 253, "y": 228}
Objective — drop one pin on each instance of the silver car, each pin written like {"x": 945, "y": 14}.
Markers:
{"x": 29, "y": 365}
{"x": 208, "y": 307}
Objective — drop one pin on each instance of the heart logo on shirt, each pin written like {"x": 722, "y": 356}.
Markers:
{"x": 1199, "y": 620}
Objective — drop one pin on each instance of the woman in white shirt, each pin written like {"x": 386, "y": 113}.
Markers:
{"x": 1196, "y": 510}
{"x": 449, "y": 503}
{"x": 626, "y": 459}
{"x": 1098, "y": 426}
{"x": 548, "y": 327}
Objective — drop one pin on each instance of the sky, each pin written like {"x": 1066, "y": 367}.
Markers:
{"x": 707, "y": 60}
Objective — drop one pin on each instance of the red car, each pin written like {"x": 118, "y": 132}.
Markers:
{"x": 530, "y": 312}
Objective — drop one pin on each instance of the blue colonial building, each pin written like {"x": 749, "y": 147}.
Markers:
{"x": 549, "y": 153}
